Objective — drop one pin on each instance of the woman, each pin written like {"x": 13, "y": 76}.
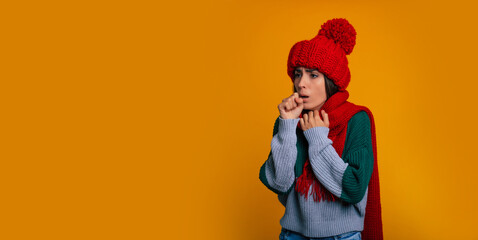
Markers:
{"x": 324, "y": 146}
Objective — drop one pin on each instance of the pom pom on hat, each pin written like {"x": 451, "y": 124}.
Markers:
{"x": 341, "y": 31}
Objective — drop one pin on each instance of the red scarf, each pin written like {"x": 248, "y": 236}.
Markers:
{"x": 340, "y": 111}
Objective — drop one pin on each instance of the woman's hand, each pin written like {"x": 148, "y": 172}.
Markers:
{"x": 312, "y": 119}
{"x": 291, "y": 107}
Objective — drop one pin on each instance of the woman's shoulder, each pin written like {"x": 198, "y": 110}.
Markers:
{"x": 359, "y": 132}
{"x": 359, "y": 118}
{"x": 359, "y": 126}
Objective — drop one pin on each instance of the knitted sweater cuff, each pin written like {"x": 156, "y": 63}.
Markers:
{"x": 317, "y": 135}
{"x": 287, "y": 126}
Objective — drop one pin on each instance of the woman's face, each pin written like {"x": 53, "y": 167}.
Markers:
{"x": 310, "y": 84}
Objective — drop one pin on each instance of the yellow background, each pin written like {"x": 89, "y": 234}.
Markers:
{"x": 150, "y": 120}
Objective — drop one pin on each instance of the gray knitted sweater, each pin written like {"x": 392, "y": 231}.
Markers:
{"x": 324, "y": 218}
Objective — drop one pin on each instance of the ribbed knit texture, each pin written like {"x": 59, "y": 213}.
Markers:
{"x": 318, "y": 219}
{"x": 347, "y": 177}
{"x": 357, "y": 151}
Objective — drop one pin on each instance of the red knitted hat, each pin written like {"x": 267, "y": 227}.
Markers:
{"x": 326, "y": 52}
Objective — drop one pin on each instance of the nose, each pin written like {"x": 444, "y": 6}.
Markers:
{"x": 301, "y": 82}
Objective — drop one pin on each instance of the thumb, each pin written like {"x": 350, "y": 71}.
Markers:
{"x": 299, "y": 101}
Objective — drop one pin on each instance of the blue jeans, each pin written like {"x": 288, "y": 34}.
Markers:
{"x": 290, "y": 235}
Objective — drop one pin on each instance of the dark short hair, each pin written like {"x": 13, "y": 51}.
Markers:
{"x": 330, "y": 87}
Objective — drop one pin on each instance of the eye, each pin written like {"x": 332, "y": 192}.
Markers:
{"x": 296, "y": 75}
{"x": 314, "y": 75}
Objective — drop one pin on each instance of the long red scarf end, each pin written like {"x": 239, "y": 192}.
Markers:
{"x": 304, "y": 182}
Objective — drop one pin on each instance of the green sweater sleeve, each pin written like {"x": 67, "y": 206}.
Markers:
{"x": 358, "y": 153}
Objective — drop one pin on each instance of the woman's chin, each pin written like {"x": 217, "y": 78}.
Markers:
{"x": 307, "y": 106}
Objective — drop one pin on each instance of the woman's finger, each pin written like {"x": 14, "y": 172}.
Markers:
{"x": 306, "y": 118}
{"x": 316, "y": 114}
{"x": 293, "y": 103}
{"x": 326, "y": 118}
{"x": 287, "y": 106}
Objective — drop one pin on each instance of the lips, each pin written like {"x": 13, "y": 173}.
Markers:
{"x": 305, "y": 98}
